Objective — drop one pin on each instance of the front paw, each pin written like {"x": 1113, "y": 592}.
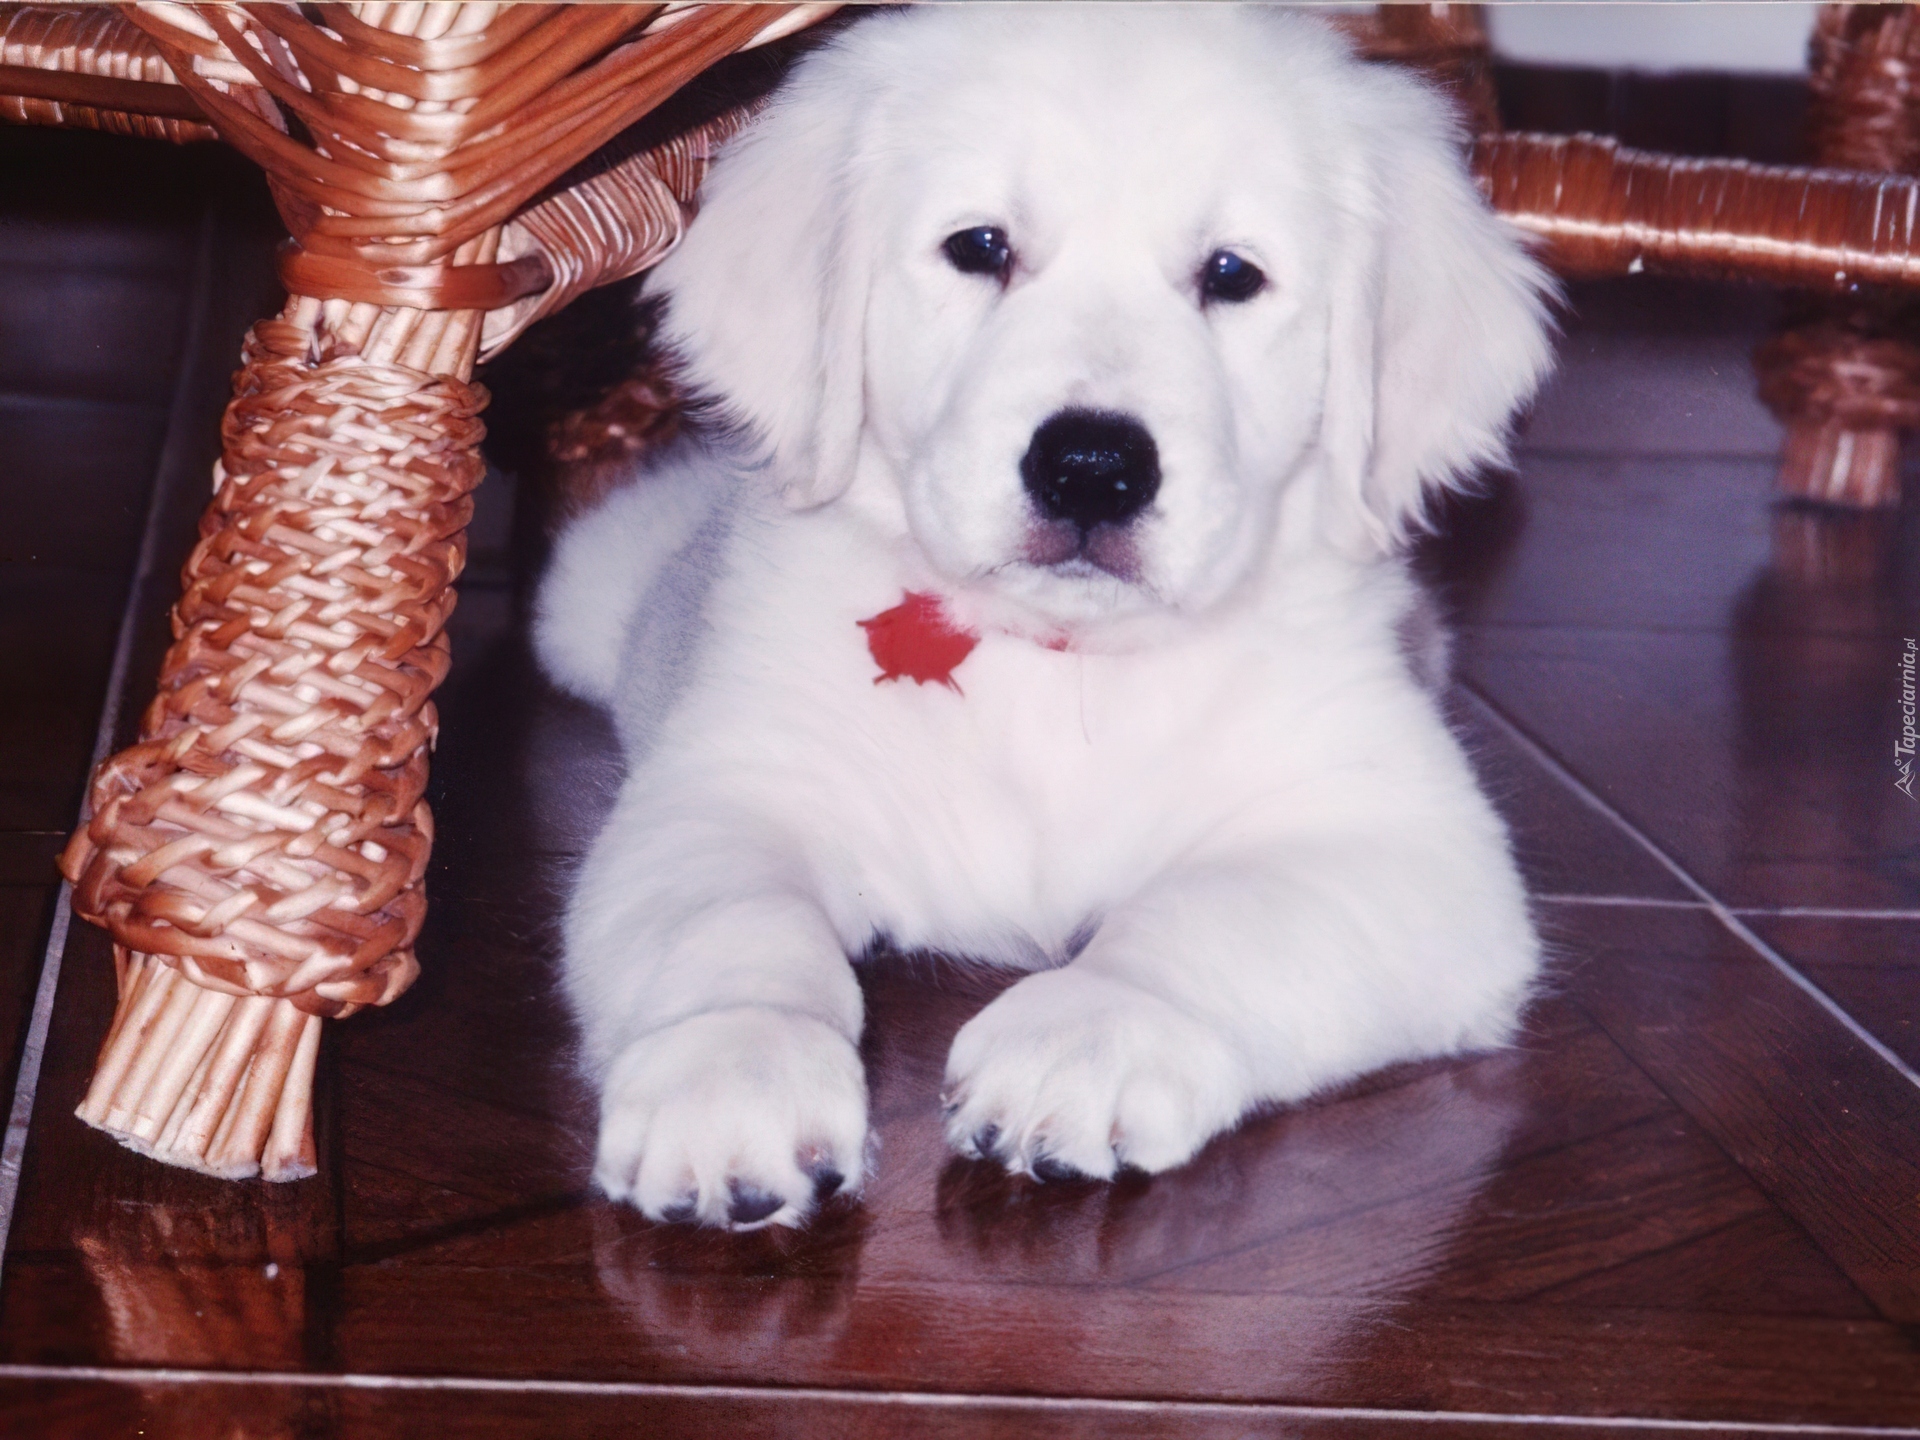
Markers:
{"x": 738, "y": 1118}
{"x": 1071, "y": 1073}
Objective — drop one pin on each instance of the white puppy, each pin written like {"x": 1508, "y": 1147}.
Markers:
{"x": 1083, "y": 367}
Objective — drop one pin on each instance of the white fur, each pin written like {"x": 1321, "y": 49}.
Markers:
{"x": 1225, "y": 823}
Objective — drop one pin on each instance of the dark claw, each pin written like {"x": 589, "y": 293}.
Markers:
{"x": 1046, "y": 1167}
{"x": 985, "y": 1138}
{"x": 745, "y": 1204}
{"x": 682, "y": 1210}
{"x": 826, "y": 1182}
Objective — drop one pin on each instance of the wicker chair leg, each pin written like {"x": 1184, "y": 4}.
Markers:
{"x": 1831, "y": 462}
{"x": 1844, "y": 377}
{"x": 258, "y": 855}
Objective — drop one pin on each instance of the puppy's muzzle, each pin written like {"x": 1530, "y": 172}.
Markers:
{"x": 1089, "y": 472}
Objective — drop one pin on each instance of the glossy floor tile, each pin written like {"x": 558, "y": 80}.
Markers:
{"x": 1869, "y": 965}
{"x": 190, "y": 1408}
{"x": 1773, "y": 781}
{"x": 1630, "y": 381}
{"x": 1685, "y": 1195}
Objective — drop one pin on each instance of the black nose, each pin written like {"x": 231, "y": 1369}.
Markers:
{"x": 1090, "y": 467}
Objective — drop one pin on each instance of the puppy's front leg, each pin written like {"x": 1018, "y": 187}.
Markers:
{"x": 1249, "y": 978}
{"x": 721, "y": 1017}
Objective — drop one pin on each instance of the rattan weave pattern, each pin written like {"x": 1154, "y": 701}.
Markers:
{"x": 267, "y": 837}
{"x": 267, "y": 833}
{"x": 418, "y": 147}
{"x": 1864, "y": 78}
{"x": 89, "y": 40}
{"x": 613, "y": 225}
{"x": 1847, "y": 383}
{"x": 1830, "y": 371}
{"x": 1604, "y": 209}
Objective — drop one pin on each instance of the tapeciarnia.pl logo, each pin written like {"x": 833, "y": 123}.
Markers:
{"x": 1903, "y": 747}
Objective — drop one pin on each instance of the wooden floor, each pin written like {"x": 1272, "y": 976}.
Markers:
{"x": 1690, "y": 1194}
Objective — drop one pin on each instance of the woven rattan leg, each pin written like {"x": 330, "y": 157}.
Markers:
{"x": 1844, "y": 376}
{"x": 258, "y": 854}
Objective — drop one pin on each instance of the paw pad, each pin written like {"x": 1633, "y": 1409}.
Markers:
{"x": 748, "y": 1205}
{"x": 1046, "y": 1167}
{"x": 826, "y": 1183}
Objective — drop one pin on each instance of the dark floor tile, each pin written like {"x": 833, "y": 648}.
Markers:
{"x": 1885, "y": 999}
{"x": 173, "y": 1408}
{"x": 106, "y": 236}
{"x": 103, "y": 335}
{"x": 57, "y": 630}
{"x": 1812, "y": 1114}
{"x": 1648, "y": 366}
{"x": 27, "y": 856}
{"x": 1762, "y": 763}
{"x": 427, "y": 1164}
{"x": 1671, "y": 543}
{"x": 1758, "y": 1265}
{"x": 1564, "y": 846}
{"x": 1598, "y": 1202}
{"x": 109, "y": 203}
{"x": 1128, "y": 1343}
{"x": 489, "y": 974}
{"x": 513, "y": 745}
{"x": 1871, "y": 968}
{"x": 1613, "y": 542}
{"x": 25, "y": 913}
{"x": 1301, "y": 1184}
{"x": 77, "y": 482}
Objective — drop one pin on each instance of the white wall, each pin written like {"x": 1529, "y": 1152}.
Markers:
{"x": 1754, "y": 36}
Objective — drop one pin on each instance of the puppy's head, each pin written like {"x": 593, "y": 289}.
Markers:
{"x": 1107, "y": 298}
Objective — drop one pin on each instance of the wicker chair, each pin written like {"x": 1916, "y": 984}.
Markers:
{"x": 258, "y": 855}
{"x": 1844, "y": 376}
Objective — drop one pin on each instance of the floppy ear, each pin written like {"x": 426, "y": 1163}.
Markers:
{"x": 1439, "y": 319}
{"x": 766, "y": 295}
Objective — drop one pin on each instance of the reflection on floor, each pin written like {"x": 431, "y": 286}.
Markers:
{"x": 1688, "y": 1194}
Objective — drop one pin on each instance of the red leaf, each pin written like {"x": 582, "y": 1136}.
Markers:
{"x": 915, "y": 641}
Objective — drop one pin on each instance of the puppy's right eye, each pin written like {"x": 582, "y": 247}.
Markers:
{"x": 983, "y": 250}
{"x": 1227, "y": 276}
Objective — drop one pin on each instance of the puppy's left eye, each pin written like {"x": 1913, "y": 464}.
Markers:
{"x": 1227, "y": 276}
{"x": 983, "y": 250}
